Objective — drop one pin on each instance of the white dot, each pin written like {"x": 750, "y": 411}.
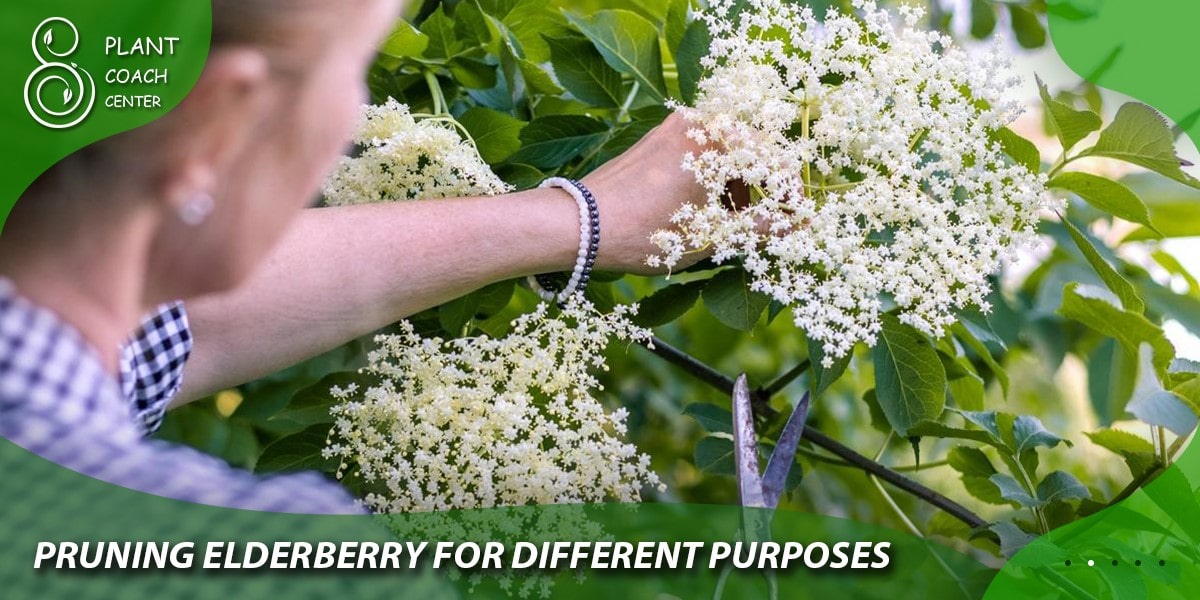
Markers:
{"x": 1091, "y": 563}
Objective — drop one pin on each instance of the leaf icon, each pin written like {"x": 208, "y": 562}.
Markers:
{"x": 67, "y": 96}
{"x": 49, "y": 37}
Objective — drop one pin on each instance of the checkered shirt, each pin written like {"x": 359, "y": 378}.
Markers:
{"x": 57, "y": 401}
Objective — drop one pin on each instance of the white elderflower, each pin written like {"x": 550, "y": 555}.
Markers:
{"x": 482, "y": 422}
{"x": 871, "y": 149}
{"x": 404, "y": 158}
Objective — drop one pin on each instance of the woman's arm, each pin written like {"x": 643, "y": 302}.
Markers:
{"x": 340, "y": 273}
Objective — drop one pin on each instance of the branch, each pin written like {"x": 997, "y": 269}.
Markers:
{"x": 716, "y": 379}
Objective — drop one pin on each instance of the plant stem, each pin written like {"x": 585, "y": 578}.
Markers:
{"x": 761, "y": 406}
{"x": 435, "y": 90}
{"x": 633, "y": 92}
{"x": 1164, "y": 453}
{"x": 912, "y": 527}
{"x": 785, "y": 379}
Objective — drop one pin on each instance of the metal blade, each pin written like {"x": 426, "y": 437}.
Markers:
{"x": 745, "y": 447}
{"x": 780, "y": 464}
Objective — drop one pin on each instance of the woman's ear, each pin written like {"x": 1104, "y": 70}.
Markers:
{"x": 210, "y": 128}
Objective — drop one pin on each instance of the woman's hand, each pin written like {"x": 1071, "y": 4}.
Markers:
{"x": 638, "y": 192}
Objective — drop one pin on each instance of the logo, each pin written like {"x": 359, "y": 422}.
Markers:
{"x": 57, "y": 94}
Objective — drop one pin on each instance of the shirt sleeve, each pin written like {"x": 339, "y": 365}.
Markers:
{"x": 152, "y": 362}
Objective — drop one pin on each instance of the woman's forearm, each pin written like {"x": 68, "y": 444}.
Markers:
{"x": 343, "y": 272}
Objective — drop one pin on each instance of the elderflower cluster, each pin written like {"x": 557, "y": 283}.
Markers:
{"x": 403, "y": 158}
{"x": 871, "y": 148}
{"x": 483, "y": 422}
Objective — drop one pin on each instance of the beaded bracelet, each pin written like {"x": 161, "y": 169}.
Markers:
{"x": 589, "y": 244}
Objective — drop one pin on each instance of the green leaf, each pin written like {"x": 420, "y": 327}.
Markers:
{"x": 729, "y": 298}
{"x": 443, "y": 40}
{"x": 1012, "y": 538}
{"x": 497, "y": 135}
{"x": 822, "y": 377}
{"x": 1174, "y": 208}
{"x": 1021, "y": 150}
{"x": 1089, "y": 306}
{"x": 965, "y": 332}
{"x": 529, "y": 21}
{"x": 879, "y": 420}
{"x": 405, "y": 41}
{"x": 1029, "y": 434}
{"x": 668, "y": 304}
{"x": 675, "y": 23}
{"x": 711, "y": 417}
{"x": 1027, "y": 27}
{"x": 910, "y": 380}
{"x": 629, "y": 44}
{"x": 715, "y": 455}
{"x": 967, "y": 391}
{"x": 1112, "y": 374}
{"x": 472, "y": 73}
{"x": 1120, "y": 286}
{"x": 299, "y": 452}
{"x": 310, "y": 406}
{"x": 1137, "y": 452}
{"x": 549, "y": 142}
{"x": 1154, "y": 405}
{"x": 970, "y": 461}
{"x": 1105, "y": 194}
{"x": 1013, "y": 491}
{"x": 1071, "y": 125}
{"x": 1139, "y": 135}
{"x": 455, "y": 314}
{"x": 988, "y": 421}
{"x": 537, "y": 80}
{"x": 1060, "y": 486}
{"x": 983, "y": 19}
{"x": 582, "y": 70}
{"x": 693, "y": 47}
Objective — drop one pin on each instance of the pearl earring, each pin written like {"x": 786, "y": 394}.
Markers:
{"x": 196, "y": 210}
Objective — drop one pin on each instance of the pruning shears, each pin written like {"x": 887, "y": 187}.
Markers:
{"x": 755, "y": 489}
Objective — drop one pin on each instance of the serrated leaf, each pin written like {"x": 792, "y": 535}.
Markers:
{"x": 405, "y": 41}
{"x": 1105, "y": 194}
{"x": 1139, "y": 135}
{"x": 298, "y": 452}
{"x": 986, "y": 420}
{"x": 1154, "y": 405}
{"x": 537, "y": 80}
{"x": 910, "y": 381}
{"x": 712, "y": 418}
{"x": 443, "y": 40}
{"x": 668, "y": 304}
{"x": 1013, "y": 491}
{"x": 496, "y": 135}
{"x": 629, "y": 44}
{"x": 1060, "y": 486}
{"x": 1029, "y": 434}
{"x": 1083, "y": 304}
{"x": 715, "y": 455}
{"x": 1069, "y": 124}
{"x": 1021, "y": 150}
{"x": 549, "y": 142}
{"x": 1130, "y": 299}
{"x": 729, "y": 298}
{"x": 582, "y": 70}
{"x": 1137, "y": 452}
